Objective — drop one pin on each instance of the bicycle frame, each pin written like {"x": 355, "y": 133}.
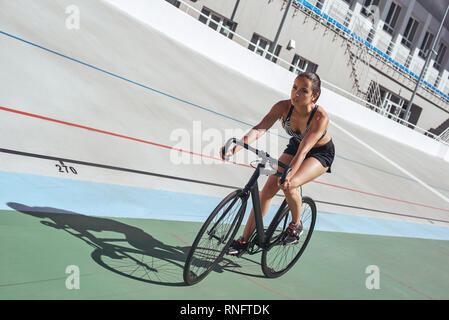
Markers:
{"x": 252, "y": 188}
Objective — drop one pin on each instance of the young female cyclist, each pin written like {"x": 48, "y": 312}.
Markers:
{"x": 310, "y": 152}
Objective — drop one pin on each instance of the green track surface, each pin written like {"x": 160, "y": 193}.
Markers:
{"x": 35, "y": 251}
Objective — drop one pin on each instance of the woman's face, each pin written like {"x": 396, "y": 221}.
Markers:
{"x": 302, "y": 93}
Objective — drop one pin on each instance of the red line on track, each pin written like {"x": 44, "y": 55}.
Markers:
{"x": 198, "y": 154}
{"x": 381, "y": 196}
{"x": 113, "y": 134}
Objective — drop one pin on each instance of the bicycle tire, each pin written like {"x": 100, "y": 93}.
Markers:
{"x": 278, "y": 258}
{"x": 209, "y": 247}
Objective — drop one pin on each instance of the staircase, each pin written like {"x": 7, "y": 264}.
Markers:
{"x": 444, "y": 136}
{"x": 373, "y": 95}
{"x": 359, "y": 58}
{"x": 442, "y": 131}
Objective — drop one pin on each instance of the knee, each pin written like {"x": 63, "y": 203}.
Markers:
{"x": 292, "y": 191}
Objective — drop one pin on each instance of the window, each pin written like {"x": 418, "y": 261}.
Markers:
{"x": 392, "y": 18}
{"x": 261, "y": 47}
{"x": 176, "y": 3}
{"x": 440, "y": 55}
{"x": 300, "y": 65}
{"x": 437, "y": 81}
{"x": 217, "y": 22}
{"x": 425, "y": 45}
{"x": 393, "y": 105}
{"x": 409, "y": 33}
{"x": 367, "y": 9}
{"x": 320, "y": 4}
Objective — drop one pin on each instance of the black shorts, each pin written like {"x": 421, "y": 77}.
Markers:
{"x": 324, "y": 154}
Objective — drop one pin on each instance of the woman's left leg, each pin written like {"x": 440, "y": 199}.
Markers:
{"x": 309, "y": 170}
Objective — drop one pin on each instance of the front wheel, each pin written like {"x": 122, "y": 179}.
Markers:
{"x": 277, "y": 257}
{"x": 214, "y": 237}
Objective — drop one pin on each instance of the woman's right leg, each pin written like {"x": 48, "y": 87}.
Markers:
{"x": 268, "y": 192}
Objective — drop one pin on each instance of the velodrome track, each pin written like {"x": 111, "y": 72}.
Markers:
{"x": 115, "y": 101}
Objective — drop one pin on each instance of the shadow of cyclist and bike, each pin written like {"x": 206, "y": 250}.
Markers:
{"x": 137, "y": 255}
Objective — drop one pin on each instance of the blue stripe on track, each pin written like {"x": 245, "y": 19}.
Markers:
{"x": 47, "y": 194}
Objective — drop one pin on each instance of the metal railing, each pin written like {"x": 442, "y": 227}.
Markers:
{"x": 246, "y": 43}
{"x": 340, "y": 11}
{"x": 373, "y": 94}
{"x": 444, "y": 136}
{"x": 369, "y": 84}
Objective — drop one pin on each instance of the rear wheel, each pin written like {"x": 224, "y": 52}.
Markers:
{"x": 278, "y": 257}
{"x": 214, "y": 237}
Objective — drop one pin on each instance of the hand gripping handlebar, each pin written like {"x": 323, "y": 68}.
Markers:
{"x": 274, "y": 163}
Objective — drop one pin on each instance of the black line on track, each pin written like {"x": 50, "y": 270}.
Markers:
{"x": 104, "y": 166}
{"x": 380, "y": 211}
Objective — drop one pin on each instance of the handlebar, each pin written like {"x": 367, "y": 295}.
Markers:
{"x": 265, "y": 158}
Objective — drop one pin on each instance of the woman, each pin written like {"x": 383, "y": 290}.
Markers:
{"x": 310, "y": 152}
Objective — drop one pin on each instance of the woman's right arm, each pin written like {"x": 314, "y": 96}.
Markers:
{"x": 259, "y": 130}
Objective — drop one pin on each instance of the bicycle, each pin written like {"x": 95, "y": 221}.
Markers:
{"x": 220, "y": 228}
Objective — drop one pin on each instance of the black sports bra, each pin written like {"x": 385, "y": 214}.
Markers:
{"x": 297, "y": 134}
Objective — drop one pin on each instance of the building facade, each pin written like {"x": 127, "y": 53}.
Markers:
{"x": 373, "y": 49}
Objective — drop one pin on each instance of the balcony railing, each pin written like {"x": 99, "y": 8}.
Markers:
{"x": 315, "y": 13}
{"x": 383, "y": 45}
